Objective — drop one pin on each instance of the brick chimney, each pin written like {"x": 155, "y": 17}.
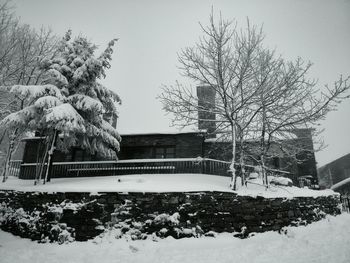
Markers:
{"x": 206, "y": 102}
{"x": 307, "y": 155}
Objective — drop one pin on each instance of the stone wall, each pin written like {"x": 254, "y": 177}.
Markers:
{"x": 85, "y": 215}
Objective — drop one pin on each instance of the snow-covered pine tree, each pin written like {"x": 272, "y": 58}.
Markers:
{"x": 71, "y": 104}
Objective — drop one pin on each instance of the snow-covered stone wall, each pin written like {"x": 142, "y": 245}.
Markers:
{"x": 81, "y": 216}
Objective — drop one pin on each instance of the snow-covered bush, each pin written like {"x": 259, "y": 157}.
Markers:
{"x": 125, "y": 224}
{"x": 49, "y": 222}
{"x": 34, "y": 225}
{"x": 281, "y": 181}
{"x": 166, "y": 219}
{"x": 61, "y": 233}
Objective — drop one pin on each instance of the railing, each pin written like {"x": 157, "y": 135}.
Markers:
{"x": 65, "y": 169}
{"x": 138, "y": 166}
{"x": 14, "y": 167}
{"x": 179, "y": 165}
{"x": 345, "y": 201}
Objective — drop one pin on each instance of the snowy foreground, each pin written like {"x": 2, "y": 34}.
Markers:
{"x": 325, "y": 241}
{"x": 158, "y": 183}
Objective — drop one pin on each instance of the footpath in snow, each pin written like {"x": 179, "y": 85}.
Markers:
{"x": 158, "y": 183}
{"x": 326, "y": 241}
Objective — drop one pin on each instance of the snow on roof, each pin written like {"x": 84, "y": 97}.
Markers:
{"x": 216, "y": 140}
{"x": 254, "y": 137}
{"x": 341, "y": 183}
{"x": 334, "y": 162}
{"x": 133, "y": 134}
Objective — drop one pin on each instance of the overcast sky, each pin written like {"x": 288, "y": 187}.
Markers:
{"x": 152, "y": 32}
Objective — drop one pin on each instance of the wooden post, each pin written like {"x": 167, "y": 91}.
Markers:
{"x": 9, "y": 155}
{"x": 50, "y": 159}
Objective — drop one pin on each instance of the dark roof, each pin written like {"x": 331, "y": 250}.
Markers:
{"x": 342, "y": 159}
{"x": 163, "y": 133}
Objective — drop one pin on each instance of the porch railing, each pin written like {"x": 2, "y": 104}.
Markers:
{"x": 14, "y": 167}
{"x": 65, "y": 169}
{"x": 137, "y": 166}
{"x": 345, "y": 201}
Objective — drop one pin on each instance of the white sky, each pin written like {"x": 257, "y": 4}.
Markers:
{"x": 152, "y": 32}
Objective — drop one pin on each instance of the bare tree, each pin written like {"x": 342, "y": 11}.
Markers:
{"x": 298, "y": 106}
{"x": 23, "y": 51}
{"x": 258, "y": 95}
{"x": 223, "y": 59}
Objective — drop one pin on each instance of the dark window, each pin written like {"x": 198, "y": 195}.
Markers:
{"x": 276, "y": 162}
{"x": 170, "y": 152}
{"x": 159, "y": 152}
{"x": 164, "y": 152}
{"x": 136, "y": 152}
{"x": 79, "y": 155}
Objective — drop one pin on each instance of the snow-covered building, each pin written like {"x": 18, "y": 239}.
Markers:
{"x": 196, "y": 144}
{"x": 335, "y": 171}
{"x": 201, "y": 143}
{"x": 342, "y": 187}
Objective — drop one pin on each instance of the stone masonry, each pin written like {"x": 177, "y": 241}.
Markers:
{"x": 203, "y": 212}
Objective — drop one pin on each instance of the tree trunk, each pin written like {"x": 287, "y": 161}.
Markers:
{"x": 263, "y": 171}
{"x": 232, "y": 165}
{"x": 38, "y": 162}
{"x": 262, "y": 142}
{"x": 242, "y": 164}
{"x": 41, "y": 162}
{"x": 8, "y": 156}
{"x": 262, "y": 153}
{"x": 50, "y": 159}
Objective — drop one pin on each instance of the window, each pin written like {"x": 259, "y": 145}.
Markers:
{"x": 170, "y": 152}
{"x": 160, "y": 153}
{"x": 164, "y": 152}
{"x": 78, "y": 155}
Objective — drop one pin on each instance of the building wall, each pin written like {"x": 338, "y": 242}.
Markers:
{"x": 206, "y": 104}
{"x": 307, "y": 163}
{"x": 305, "y": 167}
{"x": 181, "y": 145}
{"x": 35, "y": 146}
{"x": 335, "y": 171}
{"x": 146, "y": 146}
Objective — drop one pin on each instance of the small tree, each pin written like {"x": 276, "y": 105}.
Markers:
{"x": 71, "y": 103}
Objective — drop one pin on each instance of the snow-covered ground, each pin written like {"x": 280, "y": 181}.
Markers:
{"x": 326, "y": 241}
{"x": 158, "y": 183}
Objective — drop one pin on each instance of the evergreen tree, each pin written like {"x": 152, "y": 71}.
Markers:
{"x": 71, "y": 104}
